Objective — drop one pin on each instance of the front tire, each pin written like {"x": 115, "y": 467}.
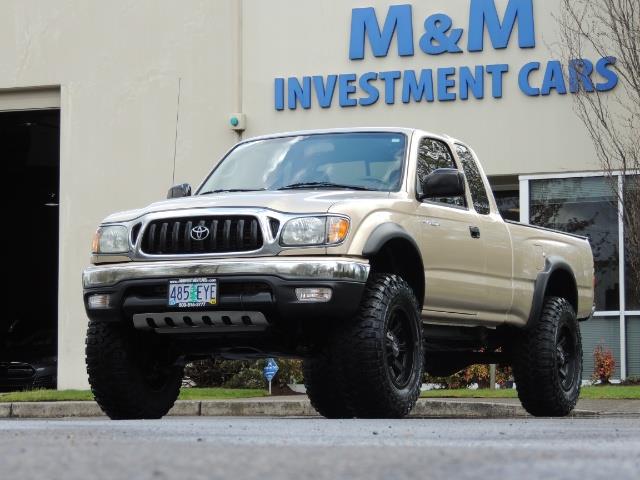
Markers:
{"x": 548, "y": 361}
{"x": 381, "y": 350}
{"x": 131, "y": 375}
{"x": 324, "y": 383}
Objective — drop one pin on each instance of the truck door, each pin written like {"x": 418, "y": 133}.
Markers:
{"x": 453, "y": 257}
{"x": 497, "y": 250}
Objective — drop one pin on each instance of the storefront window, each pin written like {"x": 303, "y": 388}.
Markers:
{"x": 584, "y": 206}
{"x": 632, "y": 278}
{"x": 632, "y": 242}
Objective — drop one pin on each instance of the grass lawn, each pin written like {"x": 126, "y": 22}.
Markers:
{"x": 185, "y": 394}
{"x": 606, "y": 392}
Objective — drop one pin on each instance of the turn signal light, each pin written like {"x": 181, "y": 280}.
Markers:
{"x": 337, "y": 229}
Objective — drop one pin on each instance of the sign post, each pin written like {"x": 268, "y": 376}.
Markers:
{"x": 270, "y": 370}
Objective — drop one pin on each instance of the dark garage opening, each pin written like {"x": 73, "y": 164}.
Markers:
{"x": 30, "y": 157}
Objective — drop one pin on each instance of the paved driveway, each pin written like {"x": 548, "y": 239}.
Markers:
{"x": 309, "y": 448}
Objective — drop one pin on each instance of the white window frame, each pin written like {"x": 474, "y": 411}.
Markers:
{"x": 622, "y": 313}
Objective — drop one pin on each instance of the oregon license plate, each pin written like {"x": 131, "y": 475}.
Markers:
{"x": 193, "y": 292}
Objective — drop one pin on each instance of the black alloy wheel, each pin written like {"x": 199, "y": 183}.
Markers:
{"x": 400, "y": 347}
{"x": 381, "y": 352}
{"x": 547, "y": 361}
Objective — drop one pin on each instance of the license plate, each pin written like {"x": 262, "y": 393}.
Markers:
{"x": 193, "y": 292}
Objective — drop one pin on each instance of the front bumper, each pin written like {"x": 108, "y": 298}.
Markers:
{"x": 289, "y": 268}
{"x": 246, "y": 286}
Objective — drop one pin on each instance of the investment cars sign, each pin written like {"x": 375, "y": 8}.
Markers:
{"x": 440, "y": 36}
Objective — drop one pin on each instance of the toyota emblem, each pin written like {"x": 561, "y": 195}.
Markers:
{"x": 199, "y": 233}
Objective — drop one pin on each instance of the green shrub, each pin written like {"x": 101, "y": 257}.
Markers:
{"x": 241, "y": 373}
{"x": 478, "y": 374}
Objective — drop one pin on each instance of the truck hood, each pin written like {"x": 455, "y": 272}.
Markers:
{"x": 292, "y": 201}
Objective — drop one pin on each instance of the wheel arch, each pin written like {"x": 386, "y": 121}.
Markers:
{"x": 558, "y": 280}
{"x": 391, "y": 249}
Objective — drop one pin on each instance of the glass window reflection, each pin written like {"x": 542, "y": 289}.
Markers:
{"x": 584, "y": 206}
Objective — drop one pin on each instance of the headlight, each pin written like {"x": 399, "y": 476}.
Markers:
{"x": 111, "y": 239}
{"x": 314, "y": 231}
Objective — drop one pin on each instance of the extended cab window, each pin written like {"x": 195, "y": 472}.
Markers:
{"x": 432, "y": 155}
{"x": 474, "y": 179}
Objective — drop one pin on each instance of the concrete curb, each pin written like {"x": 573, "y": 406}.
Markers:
{"x": 425, "y": 408}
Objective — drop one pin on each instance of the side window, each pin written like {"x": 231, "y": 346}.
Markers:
{"x": 474, "y": 179}
{"x": 432, "y": 155}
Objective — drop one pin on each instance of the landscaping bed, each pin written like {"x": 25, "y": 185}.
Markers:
{"x": 79, "y": 395}
{"x": 608, "y": 392}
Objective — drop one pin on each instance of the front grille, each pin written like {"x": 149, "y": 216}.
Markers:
{"x": 218, "y": 234}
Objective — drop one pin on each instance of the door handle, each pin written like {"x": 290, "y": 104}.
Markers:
{"x": 475, "y": 232}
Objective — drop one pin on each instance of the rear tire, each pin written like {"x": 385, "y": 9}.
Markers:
{"x": 131, "y": 376}
{"x": 381, "y": 350}
{"x": 548, "y": 361}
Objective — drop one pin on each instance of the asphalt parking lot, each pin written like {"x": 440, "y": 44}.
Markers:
{"x": 310, "y": 448}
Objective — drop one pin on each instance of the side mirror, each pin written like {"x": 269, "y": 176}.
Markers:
{"x": 179, "y": 191}
{"x": 443, "y": 182}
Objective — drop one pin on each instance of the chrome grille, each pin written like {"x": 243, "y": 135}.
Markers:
{"x": 237, "y": 233}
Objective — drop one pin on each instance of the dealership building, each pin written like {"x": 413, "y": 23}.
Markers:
{"x": 105, "y": 105}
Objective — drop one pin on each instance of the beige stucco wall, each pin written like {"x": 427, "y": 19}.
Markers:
{"x": 118, "y": 66}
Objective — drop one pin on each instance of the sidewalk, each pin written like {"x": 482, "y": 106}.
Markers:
{"x": 600, "y": 407}
{"x": 299, "y": 406}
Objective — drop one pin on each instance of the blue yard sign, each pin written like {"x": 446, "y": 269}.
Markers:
{"x": 269, "y": 371}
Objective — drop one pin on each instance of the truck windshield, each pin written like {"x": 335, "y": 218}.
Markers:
{"x": 358, "y": 161}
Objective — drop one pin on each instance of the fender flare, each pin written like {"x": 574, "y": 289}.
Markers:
{"x": 382, "y": 234}
{"x": 552, "y": 265}
{"x": 389, "y": 231}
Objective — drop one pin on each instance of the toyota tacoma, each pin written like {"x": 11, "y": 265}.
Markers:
{"x": 374, "y": 255}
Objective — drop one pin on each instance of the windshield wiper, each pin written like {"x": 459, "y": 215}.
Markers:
{"x": 231, "y": 190}
{"x": 294, "y": 186}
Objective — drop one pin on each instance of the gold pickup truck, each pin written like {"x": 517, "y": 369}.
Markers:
{"x": 374, "y": 254}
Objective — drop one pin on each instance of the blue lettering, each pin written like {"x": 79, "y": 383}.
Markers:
{"x": 497, "y": 72}
{"x": 325, "y": 94}
{"x": 440, "y": 37}
{"x": 580, "y": 71}
{"x": 469, "y": 80}
{"x": 483, "y": 13}
{"x": 390, "y": 85}
{"x": 364, "y": 22}
{"x": 299, "y": 92}
{"x": 553, "y": 79}
{"x": 445, "y": 83}
{"x": 370, "y": 90}
{"x": 523, "y": 79}
{"x": 610, "y": 76}
{"x": 279, "y": 93}
{"x": 346, "y": 88}
{"x": 417, "y": 89}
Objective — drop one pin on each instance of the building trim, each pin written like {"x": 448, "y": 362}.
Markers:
{"x": 36, "y": 98}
